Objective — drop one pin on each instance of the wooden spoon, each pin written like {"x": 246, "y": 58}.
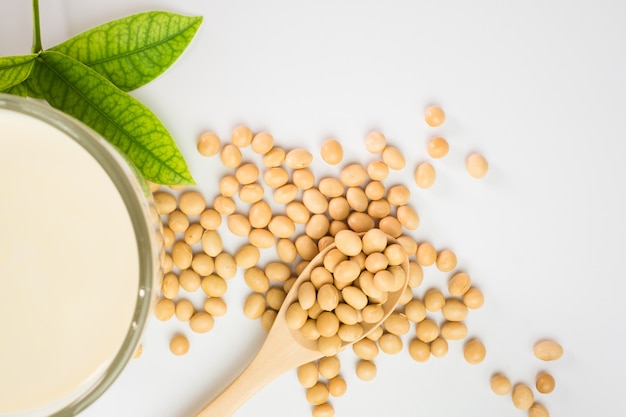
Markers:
{"x": 285, "y": 349}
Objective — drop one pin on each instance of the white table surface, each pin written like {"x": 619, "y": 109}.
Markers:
{"x": 538, "y": 87}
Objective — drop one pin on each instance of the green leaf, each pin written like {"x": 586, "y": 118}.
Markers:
{"x": 83, "y": 93}
{"x": 133, "y": 50}
{"x": 15, "y": 69}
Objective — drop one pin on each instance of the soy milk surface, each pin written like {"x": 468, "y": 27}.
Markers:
{"x": 69, "y": 270}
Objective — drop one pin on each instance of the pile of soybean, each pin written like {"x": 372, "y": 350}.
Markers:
{"x": 283, "y": 207}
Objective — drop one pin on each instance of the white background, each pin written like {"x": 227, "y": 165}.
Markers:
{"x": 537, "y": 86}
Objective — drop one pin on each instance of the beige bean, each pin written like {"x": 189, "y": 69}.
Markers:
{"x": 350, "y": 332}
{"x": 215, "y": 306}
{"x": 164, "y": 309}
{"x": 454, "y": 310}
{"x": 375, "y": 142}
{"x": 241, "y": 136}
{"x": 247, "y": 173}
{"x": 256, "y": 279}
{"x": 189, "y": 280}
{"x": 251, "y": 193}
{"x": 372, "y": 313}
{"x": 365, "y": 349}
{"x": 545, "y": 383}
{"x": 500, "y": 384}
{"x": 338, "y": 208}
{"x": 267, "y": 319}
{"x": 408, "y": 217}
{"x": 170, "y": 286}
{"x": 224, "y": 205}
{"x": 303, "y": 178}
{"x": 191, "y": 203}
{"x": 416, "y": 274}
{"x": 547, "y": 350}
{"x": 384, "y": 280}
{"x": 327, "y": 324}
{"x": 307, "y": 374}
{"x": 354, "y": 297}
{"x": 348, "y": 242}
{"x": 397, "y": 323}
{"x": 393, "y": 158}
{"x": 337, "y": 386}
{"x": 336, "y": 226}
{"x": 375, "y": 190}
{"x": 453, "y": 330}
{"x": 473, "y": 298}
{"x": 446, "y": 260}
{"x": 427, "y": 330}
{"x": 476, "y": 165}
{"x": 425, "y": 175}
{"x": 426, "y": 254}
{"x": 307, "y": 295}
{"x": 225, "y": 265}
{"x": 285, "y": 194}
{"x": 201, "y": 322}
{"x": 353, "y": 175}
{"x": 214, "y": 286}
{"x": 522, "y": 396}
{"x": 179, "y": 345}
{"x": 210, "y": 219}
{"x": 277, "y": 271}
{"x": 398, "y": 195}
{"x": 262, "y": 143}
{"x": 375, "y": 334}
{"x": 238, "y": 224}
{"x": 297, "y": 212}
{"x": 434, "y": 300}
{"x": 182, "y": 254}
{"x": 439, "y": 347}
{"x": 538, "y": 410}
{"x": 395, "y": 254}
{"x": 184, "y": 310}
{"x": 254, "y": 306}
{"x": 357, "y": 199}
{"x": 328, "y": 297}
{"x": 230, "y": 156}
{"x": 360, "y": 222}
{"x": 295, "y": 316}
{"x": 260, "y": 214}
{"x": 434, "y": 116}
{"x": 276, "y": 177}
{"x": 193, "y": 234}
{"x": 374, "y": 240}
{"x": 321, "y": 275}
{"x": 331, "y": 187}
{"x": 169, "y": 237}
{"x": 375, "y": 262}
{"x": 474, "y": 351}
{"x": 390, "y": 343}
{"x": 459, "y": 284}
{"x": 365, "y": 370}
{"x": 419, "y": 350}
{"x": 261, "y": 238}
{"x": 314, "y": 201}
{"x": 346, "y": 314}
{"x": 178, "y": 221}
{"x": 282, "y": 226}
{"x": 298, "y": 158}
{"x": 391, "y": 226}
{"x": 247, "y": 256}
{"x": 317, "y": 226}
{"x": 317, "y": 394}
{"x": 275, "y": 297}
{"x": 286, "y": 250}
{"x": 331, "y": 151}
{"x": 208, "y": 144}
{"x": 415, "y": 311}
{"x": 377, "y": 170}
{"x": 329, "y": 366}
{"x": 228, "y": 186}
{"x": 378, "y": 208}
{"x": 408, "y": 243}
{"x": 345, "y": 272}
{"x": 274, "y": 157}
{"x": 324, "y": 242}
{"x": 437, "y": 147}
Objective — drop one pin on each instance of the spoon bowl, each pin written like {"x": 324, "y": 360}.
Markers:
{"x": 285, "y": 349}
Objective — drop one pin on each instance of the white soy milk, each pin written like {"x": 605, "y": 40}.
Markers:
{"x": 69, "y": 268}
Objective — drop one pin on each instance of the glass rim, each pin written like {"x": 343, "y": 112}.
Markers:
{"x": 136, "y": 200}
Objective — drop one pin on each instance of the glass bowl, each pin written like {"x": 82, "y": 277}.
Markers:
{"x": 80, "y": 261}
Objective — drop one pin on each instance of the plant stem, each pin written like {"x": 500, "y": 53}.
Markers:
{"x": 36, "y": 30}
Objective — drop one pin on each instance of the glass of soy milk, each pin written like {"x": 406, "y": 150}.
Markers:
{"x": 79, "y": 262}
